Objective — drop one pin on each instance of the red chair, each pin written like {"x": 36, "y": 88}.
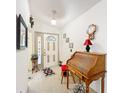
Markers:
{"x": 64, "y": 71}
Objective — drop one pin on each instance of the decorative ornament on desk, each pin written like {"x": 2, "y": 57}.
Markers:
{"x": 87, "y": 43}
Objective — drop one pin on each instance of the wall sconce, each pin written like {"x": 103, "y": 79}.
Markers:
{"x": 31, "y": 21}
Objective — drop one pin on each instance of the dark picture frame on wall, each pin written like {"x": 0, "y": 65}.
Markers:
{"x": 64, "y": 35}
{"x": 67, "y": 40}
{"x": 21, "y": 33}
{"x": 71, "y": 45}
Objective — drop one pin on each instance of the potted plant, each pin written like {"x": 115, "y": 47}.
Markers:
{"x": 34, "y": 57}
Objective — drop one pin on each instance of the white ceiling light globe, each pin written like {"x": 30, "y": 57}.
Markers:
{"x": 53, "y": 22}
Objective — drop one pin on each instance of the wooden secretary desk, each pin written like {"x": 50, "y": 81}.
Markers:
{"x": 88, "y": 67}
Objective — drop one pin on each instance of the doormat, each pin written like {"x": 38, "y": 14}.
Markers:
{"x": 48, "y": 71}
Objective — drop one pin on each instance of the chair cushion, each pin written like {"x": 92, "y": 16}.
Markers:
{"x": 64, "y": 67}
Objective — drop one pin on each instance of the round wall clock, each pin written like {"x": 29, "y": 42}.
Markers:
{"x": 91, "y": 31}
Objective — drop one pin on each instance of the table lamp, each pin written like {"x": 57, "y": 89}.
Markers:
{"x": 87, "y": 43}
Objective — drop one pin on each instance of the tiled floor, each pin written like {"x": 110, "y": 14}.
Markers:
{"x": 50, "y": 84}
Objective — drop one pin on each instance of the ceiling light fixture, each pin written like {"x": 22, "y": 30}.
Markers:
{"x": 53, "y": 21}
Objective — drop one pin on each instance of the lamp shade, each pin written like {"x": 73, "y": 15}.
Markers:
{"x": 87, "y": 42}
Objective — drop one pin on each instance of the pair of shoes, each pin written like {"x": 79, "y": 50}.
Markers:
{"x": 48, "y": 71}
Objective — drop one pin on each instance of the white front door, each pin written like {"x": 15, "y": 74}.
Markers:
{"x": 50, "y": 50}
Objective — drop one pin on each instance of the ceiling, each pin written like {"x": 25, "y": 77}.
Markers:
{"x": 67, "y": 10}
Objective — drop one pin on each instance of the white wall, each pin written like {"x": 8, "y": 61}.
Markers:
{"x": 22, "y": 8}
{"x": 76, "y": 31}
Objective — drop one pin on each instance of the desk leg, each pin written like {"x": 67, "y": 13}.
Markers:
{"x": 87, "y": 87}
{"x": 102, "y": 84}
{"x": 67, "y": 79}
{"x": 62, "y": 77}
{"x": 79, "y": 81}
